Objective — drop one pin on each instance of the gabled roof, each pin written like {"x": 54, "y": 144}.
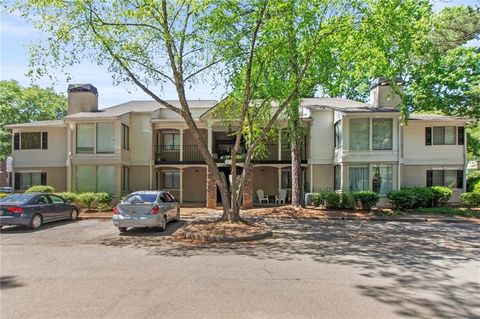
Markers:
{"x": 49, "y": 123}
{"x": 344, "y": 105}
{"x": 138, "y": 107}
{"x": 435, "y": 117}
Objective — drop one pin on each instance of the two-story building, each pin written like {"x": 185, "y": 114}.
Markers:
{"x": 138, "y": 145}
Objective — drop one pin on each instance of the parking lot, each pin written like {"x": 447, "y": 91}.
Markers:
{"x": 309, "y": 269}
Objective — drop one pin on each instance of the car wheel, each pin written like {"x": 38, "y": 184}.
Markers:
{"x": 177, "y": 217}
{"x": 36, "y": 222}
{"x": 163, "y": 226}
{"x": 74, "y": 214}
{"x": 122, "y": 229}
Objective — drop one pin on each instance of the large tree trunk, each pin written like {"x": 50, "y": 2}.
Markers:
{"x": 296, "y": 173}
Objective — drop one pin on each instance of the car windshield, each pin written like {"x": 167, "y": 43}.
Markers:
{"x": 145, "y": 198}
{"x": 16, "y": 199}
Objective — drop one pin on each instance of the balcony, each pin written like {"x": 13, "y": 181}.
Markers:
{"x": 165, "y": 154}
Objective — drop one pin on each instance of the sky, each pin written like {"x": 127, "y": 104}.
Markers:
{"x": 16, "y": 35}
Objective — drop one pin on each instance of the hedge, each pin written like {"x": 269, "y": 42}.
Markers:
{"x": 366, "y": 199}
{"x": 40, "y": 189}
{"x": 471, "y": 199}
{"x": 2, "y": 195}
{"x": 416, "y": 197}
{"x": 334, "y": 200}
{"x": 87, "y": 199}
{"x": 69, "y": 196}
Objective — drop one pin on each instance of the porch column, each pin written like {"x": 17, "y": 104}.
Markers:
{"x": 209, "y": 138}
{"x": 248, "y": 190}
{"x": 279, "y": 179}
{"x": 181, "y": 144}
{"x": 211, "y": 190}
{"x": 181, "y": 185}
{"x": 279, "y": 144}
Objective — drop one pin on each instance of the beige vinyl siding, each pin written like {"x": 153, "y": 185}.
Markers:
{"x": 140, "y": 140}
{"x": 321, "y": 137}
{"x": 416, "y": 152}
{"x": 139, "y": 178}
{"x": 54, "y": 156}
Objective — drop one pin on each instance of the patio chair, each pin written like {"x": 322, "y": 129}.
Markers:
{"x": 261, "y": 196}
{"x": 282, "y": 196}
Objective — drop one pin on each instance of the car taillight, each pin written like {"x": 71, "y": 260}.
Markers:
{"x": 115, "y": 211}
{"x": 155, "y": 210}
{"x": 15, "y": 210}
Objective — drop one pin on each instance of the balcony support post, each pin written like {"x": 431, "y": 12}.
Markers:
{"x": 279, "y": 144}
{"x": 181, "y": 144}
{"x": 209, "y": 138}
{"x": 181, "y": 185}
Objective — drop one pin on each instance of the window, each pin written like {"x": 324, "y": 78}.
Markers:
{"x": 85, "y": 179}
{"x": 27, "y": 180}
{"x": 105, "y": 138}
{"x": 286, "y": 179}
{"x": 171, "y": 141}
{"x": 382, "y": 134}
{"x": 56, "y": 199}
{"x": 42, "y": 200}
{"x": 126, "y": 178}
{"x": 444, "y": 135}
{"x": 447, "y": 178}
{"x": 171, "y": 180}
{"x": 85, "y": 138}
{"x": 105, "y": 179}
{"x": 163, "y": 198}
{"x": 30, "y": 141}
{"x": 382, "y": 179}
{"x": 337, "y": 172}
{"x": 171, "y": 197}
{"x": 125, "y": 137}
{"x": 359, "y": 179}
{"x": 338, "y": 134}
{"x": 359, "y": 134}
{"x": 461, "y": 135}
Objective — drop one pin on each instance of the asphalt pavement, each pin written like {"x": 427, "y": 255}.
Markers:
{"x": 309, "y": 269}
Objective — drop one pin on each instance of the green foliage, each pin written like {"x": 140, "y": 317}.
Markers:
{"x": 69, "y": 196}
{"x": 471, "y": 199}
{"x": 402, "y": 199}
{"x": 473, "y": 138}
{"x": 347, "y": 200}
{"x": 2, "y": 195}
{"x": 332, "y": 200}
{"x": 87, "y": 199}
{"x": 473, "y": 181}
{"x": 366, "y": 199}
{"x": 317, "y": 199}
{"x": 102, "y": 207}
{"x": 40, "y": 189}
{"x": 24, "y": 104}
{"x": 448, "y": 211}
{"x": 103, "y": 198}
{"x": 441, "y": 196}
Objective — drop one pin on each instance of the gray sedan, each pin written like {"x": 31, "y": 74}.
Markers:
{"x": 146, "y": 209}
{"x": 34, "y": 209}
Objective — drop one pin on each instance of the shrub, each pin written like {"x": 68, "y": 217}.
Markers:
{"x": 425, "y": 197}
{"x": 473, "y": 181}
{"x": 69, "y": 196}
{"x": 366, "y": 200}
{"x": 476, "y": 189}
{"x": 2, "y": 195}
{"x": 103, "y": 198}
{"x": 102, "y": 207}
{"x": 471, "y": 199}
{"x": 347, "y": 201}
{"x": 40, "y": 189}
{"x": 441, "y": 196}
{"x": 332, "y": 200}
{"x": 317, "y": 199}
{"x": 87, "y": 199}
{"x": 404, "y": 198}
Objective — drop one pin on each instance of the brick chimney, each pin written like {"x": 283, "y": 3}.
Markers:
{"x": 382, "y": 95}
{"x": 82, "y": 98}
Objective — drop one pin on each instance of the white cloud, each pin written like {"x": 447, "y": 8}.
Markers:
{"x": 23, "y": 30}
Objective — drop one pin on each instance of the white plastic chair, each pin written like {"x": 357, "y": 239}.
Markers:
{"x": 282, "y": 196}
{"x": 261, "y": 196}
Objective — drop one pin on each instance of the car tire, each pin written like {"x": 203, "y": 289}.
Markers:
{"x": 177, "y": 217}
{"x": 163, "y": 226}
{"x": 36, "y": 222}
{"x": 74, "y": 215}
{"x": 122, "y": 229}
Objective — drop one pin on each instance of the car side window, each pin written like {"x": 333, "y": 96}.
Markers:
{"x": 163, "y": 198}
{"x": 56, "y": 199}
{"x": 171, "y": 198}
{"x": 42, "y": 200}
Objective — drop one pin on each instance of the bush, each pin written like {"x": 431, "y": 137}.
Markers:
{"x": 473, "y": 181}
{"x": 441, "y": 196}
{"x": 317, "y": 199}
{"x": 2, "y": 195}
{"x": 476, "y": 189}
{"x": 103, "y": 198}
{"x": 69, "y": 196}
{"x": 40, "y": 189}
{"x": 471, "y": 199}
{"x": 104, "y": 207}
{"x": 404, "y": 198}
{"x": 332, "y": 200}
{"x": 87, "y": 199}
{"x": 347, "y": 201}
{"x": 366, "y": 200}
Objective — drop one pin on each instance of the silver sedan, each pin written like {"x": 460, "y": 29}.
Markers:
{"x": 146, "y": 209}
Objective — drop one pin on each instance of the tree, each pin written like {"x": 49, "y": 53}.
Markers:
{"x": 149, "y": 43}
{"x": 24, "y": 104}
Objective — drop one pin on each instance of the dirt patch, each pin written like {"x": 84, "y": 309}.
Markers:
{"x": 316, "y": 213}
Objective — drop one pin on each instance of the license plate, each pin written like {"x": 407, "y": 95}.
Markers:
{"x": 2, "y": 212}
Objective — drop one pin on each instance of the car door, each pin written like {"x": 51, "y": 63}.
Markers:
{"x": 175, "y": 205}
{"x": 61, "y": 209}
{"x": 165, "y": 205}
{"x": 43, "y": 205}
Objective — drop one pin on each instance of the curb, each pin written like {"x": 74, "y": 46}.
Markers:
{"x": 226, "y": 239}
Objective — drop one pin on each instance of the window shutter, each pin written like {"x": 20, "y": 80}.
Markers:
{"x": 428, "y": 136}
{"x": 17, "y": 181}
{"x": 16, "y": 141}
{"x": 459, "y": 179}
{"x": 43, "y": 178}
{"x": 44, "y": 140}
{"x": 461, "y": 135}
{"x": 429, "y": 178}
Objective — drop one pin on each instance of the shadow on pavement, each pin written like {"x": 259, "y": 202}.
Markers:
{"x": 24, "y": 229}
{"x": 415, "y": 257}
{"x": 8, "y": 282}
{"x": 172, "y": 227}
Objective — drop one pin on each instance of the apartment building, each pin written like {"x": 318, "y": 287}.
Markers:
{"x": 138, "y": 145}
